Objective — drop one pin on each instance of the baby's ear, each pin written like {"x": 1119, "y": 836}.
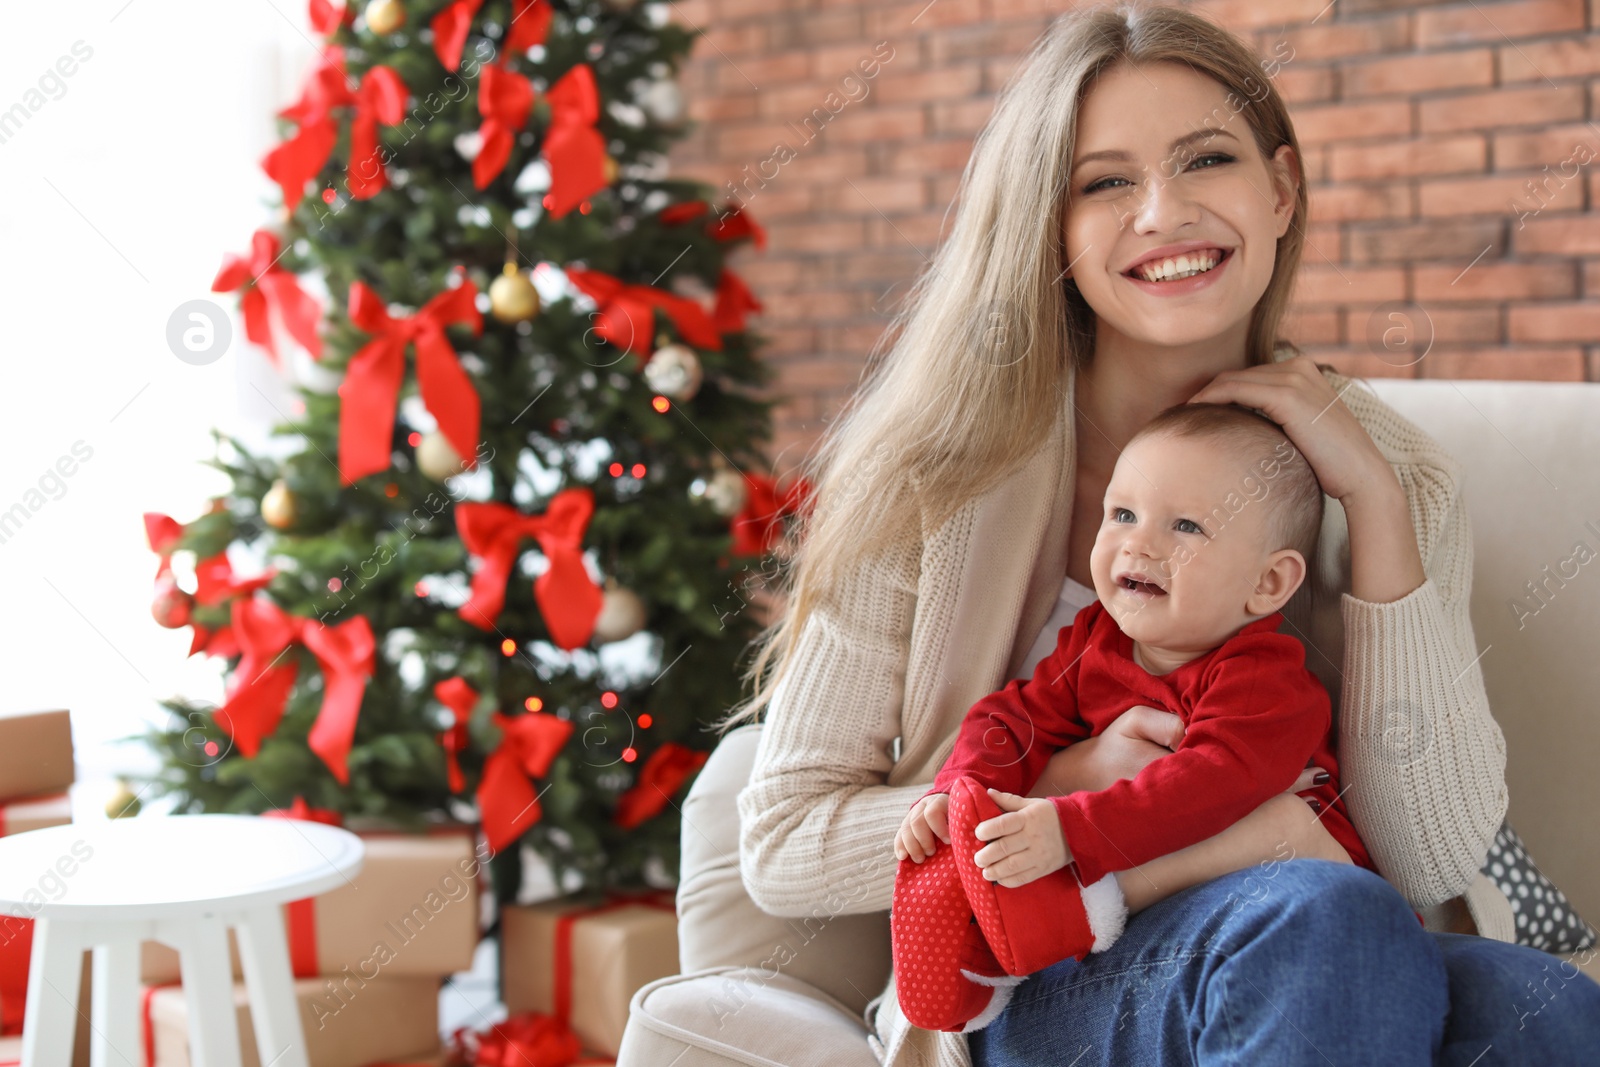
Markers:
{"x": 1284, "y": 571}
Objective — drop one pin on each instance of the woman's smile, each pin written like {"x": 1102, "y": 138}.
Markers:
{"x": 1180, "y": 275}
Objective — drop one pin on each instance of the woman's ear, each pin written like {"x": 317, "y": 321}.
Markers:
{"x": 1284, "y": 571}
{"x": 1284, "y": 167}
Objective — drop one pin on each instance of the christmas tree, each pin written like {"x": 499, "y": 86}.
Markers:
{"x": 545, "y": 445}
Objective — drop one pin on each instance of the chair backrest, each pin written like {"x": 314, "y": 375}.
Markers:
{"x": 1530, "y": 453}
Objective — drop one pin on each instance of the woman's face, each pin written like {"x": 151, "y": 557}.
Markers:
{"x": 1166, "y": 166}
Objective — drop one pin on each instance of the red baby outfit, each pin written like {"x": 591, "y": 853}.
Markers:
{"x": 1253, "y": 716}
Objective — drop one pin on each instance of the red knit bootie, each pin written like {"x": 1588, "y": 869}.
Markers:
{"x": 945, "y": 976}
{"x": 1031, "y": 926}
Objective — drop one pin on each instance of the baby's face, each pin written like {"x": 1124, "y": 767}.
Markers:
{"x": 1177, "y": 556}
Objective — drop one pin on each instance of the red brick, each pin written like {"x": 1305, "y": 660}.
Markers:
{"x": 900, "y": 21}
{"x": 810, "y": 27}
{"x": 1303, "y": 84}
{"x": 1547, "y": 60}
{"x": 1358, "y": 364}
{"x": 1486, "y": 280}
{"x": 769, "y": 71}
{"x": 979, "y": 41}
{"x": 1327, "y": 39}
{"x": 1386, "y": 200}
{"x": 1462, "y": 154}
{"x": 1510, "y": 193}
{"x": 964, "y": 117}
{"x": 891, "y": 264}
{"x": 731, "y": 43}
{"x": 1556, "y": 364}
{"x": 715, "y": 109}
{"x": 1319, "y": 286}
{"x": 1447, "y": 325}
{"x": 870, "y": 195}
{"x": 1418, "y": 73}
{"x": 1311, "y": 326}
{"x": 1503, "y": 107}
{"x": 1555, "y": 322}
{"x": 1352, "y": 122}
{"x": 1551, "y": 148}
{"x": 946, "y": 83}
{"x": 921, "y": 231}
{"x": 1496, "y": 22}
{"x": 1559, "y": 235}
{"x": 1453, "y": 240}
{"x": 1239, "y": 15}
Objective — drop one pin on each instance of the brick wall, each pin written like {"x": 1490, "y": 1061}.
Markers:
{"x": 1448, "y": 147}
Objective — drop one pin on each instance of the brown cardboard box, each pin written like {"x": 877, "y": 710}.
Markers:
{"x": 352, "y": 1023}
{"x": 35, "y": 752}
{"x": 35, "y": 813}
{"x": 613, "y": 954}
{"x": 412, "y": 910}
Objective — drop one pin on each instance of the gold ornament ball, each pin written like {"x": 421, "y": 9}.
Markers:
{"x": 437, "y": 458}
{"x": 278, "y": 506}
{"x": 725, "y": 491}
{"x": 385, "y": 16}
{"x": 674, "y": 371}
{"x": 123, "y": 803}
{"x": 512, "y": 297}
{"x": 622, "y": 614}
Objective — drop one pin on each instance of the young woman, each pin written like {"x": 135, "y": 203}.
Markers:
{"x": 1128, "y": 231}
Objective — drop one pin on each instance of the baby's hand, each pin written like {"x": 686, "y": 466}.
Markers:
{"x": 1025, "y": 840}
{"x": 925, "y": 825}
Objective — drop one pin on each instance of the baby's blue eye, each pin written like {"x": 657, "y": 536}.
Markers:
{"x": 1117, "y": 513}
{"x": 1189, "y": 526}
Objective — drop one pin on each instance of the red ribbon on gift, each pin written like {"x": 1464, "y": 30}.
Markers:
{"x": 504, "y": 101}
{"x": 460, "y": 698}
{"x": 568, "y": 598}
{"x": 530, "y": 22}
{"x": 756, "y": 528}
{"x": 626, "y": 317}
{"x": 346, "y": 653}
{"x": 507, "y": 801}
{"x": 662, "y": 775}
{"x": 372, "y": 380}
{"x": 734, "y": 301}
{"x": 269, "y": 290}
{"x": 658, "y": 898}
{"x": 380, "y": 98}
{"x": 572, "y": 146}
{"x": 16, "y": 947}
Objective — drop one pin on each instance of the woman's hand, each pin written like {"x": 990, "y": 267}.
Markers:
{"x": 1385, "y": 564}
{"x": 1136, "y": 737}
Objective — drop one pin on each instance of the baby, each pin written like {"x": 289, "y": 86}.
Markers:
{"x": 1209, "y": 519}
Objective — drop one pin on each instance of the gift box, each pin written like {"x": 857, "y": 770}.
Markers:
{"x": 35, "y": 753}
{"x": 11, "y": 1043}
{"x": 412, "y": 910}
{"x": 582, "y": 963}
{"x": 35, "y": 813}
{"x": 349, "y": 1022}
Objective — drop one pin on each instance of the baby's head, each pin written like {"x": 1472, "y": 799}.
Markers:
{"x": 1210, "y": 518}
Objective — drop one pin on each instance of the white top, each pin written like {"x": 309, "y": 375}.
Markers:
{"x": 170, "y": 866}
{"x": 1074, "y": 597}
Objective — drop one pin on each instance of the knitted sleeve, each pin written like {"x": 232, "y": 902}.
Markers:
{"x": 817, "y": 821}
{"x": 1423, "y": 758}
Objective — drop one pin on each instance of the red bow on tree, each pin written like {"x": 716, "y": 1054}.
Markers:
{"x": 504, "y": 100}
{"x": 568, "y": 598}
{"x": 734, "y": 301}
{"x": 530, "y": 22}
{"x": 736, "y": 223}
{"x": 756, "y": 527}
{"x": 625, "y": 316}
{"x": 662, "y": 776}
{"x": 459, "y": 697}
{"x": 381, "y": 97}
{"x": 507, "y": 800}
{"x": 372, "y": 380}
{"x": 685, "y": 211}
{"x": 326, "y": 18}
{"x": 346, "y": 653}
{"x": 305, "y": 812}
{"x": 270, "y": 290}
{"x": 214, "y": 582}
{"x": 572, "y": 146}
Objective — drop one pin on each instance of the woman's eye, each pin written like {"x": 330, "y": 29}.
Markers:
{"x": 1188, "y": 526}
{"x": 1215, "y": 157}
{"x": 1103, "y": 183}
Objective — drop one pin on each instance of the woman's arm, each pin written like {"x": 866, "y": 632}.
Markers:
{"x": 816, "y": 821}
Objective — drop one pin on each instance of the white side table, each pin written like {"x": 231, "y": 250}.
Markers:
{"x": 182, "y": 880}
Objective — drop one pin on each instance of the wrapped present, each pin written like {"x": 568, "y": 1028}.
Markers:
{"x": 11, "y": 1043}
{"x": 582, "y": 963}
{"x": 35, "y": 813}
{"x": 527, "y": 1039}
{"x": 348, "y": 1022}
{"x": 35, "y": 753}
{"x": 412, "y": 910}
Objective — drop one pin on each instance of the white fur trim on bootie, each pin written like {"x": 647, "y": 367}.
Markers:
{"x": 1003, "y": 985}
{"x": 1107, "y": 911}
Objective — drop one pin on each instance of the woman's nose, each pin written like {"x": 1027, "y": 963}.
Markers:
{"x": 1163, "y": 205}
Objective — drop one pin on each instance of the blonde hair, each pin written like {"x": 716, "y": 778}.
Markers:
{"x": 988, "y": 335}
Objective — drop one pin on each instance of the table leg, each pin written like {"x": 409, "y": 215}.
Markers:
{"x": 274, "y": 1011}
{"x": 50, "y": 1021}
{"x": 208, "y": 987}
{"x": 114, "y": 1006}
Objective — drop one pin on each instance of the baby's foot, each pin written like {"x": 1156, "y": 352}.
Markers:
{"x": 1031, "y": 926}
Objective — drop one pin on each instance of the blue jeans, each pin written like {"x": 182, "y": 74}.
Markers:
{"x": 1302, "y": 961}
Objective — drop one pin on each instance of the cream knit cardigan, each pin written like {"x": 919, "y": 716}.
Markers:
{"x": 928, "y": 629}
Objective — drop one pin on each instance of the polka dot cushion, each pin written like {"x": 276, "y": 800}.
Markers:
{"x": 1544, "y": 915}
